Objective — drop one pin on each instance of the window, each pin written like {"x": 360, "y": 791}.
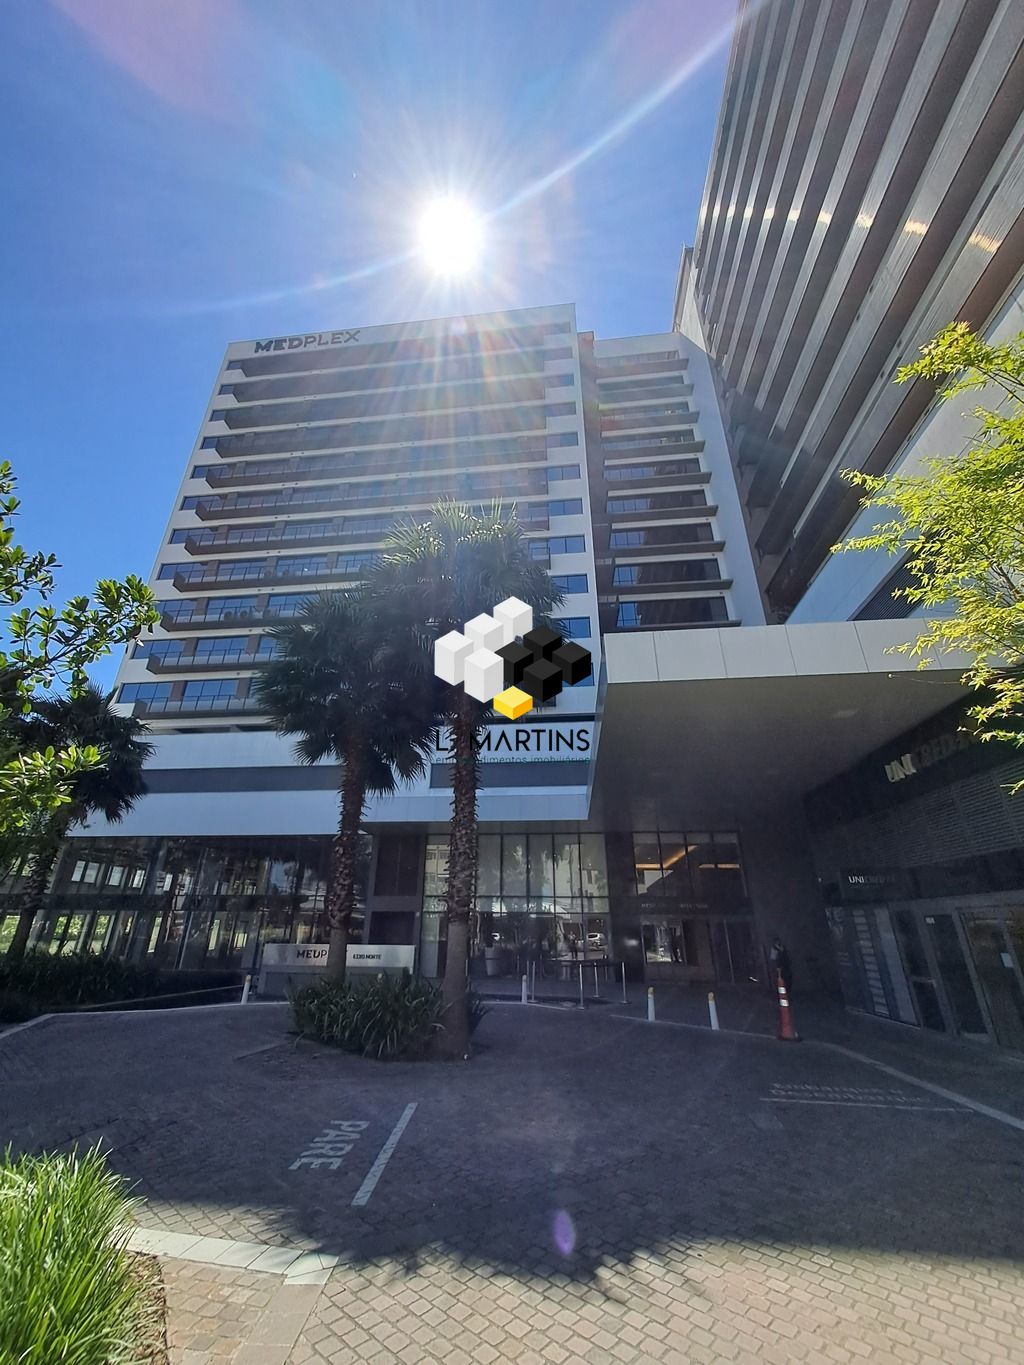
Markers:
{"x": 180, "y": 536}
{"x": 559, "y": 409}
{"x": 169, "y": 570}
{"x": 225, "y": 389}
{"x": 656, "y": 502}
{"x": 218, "y": 414}
{"x": 190, "y": 503}
{"x": 557, "y": 473}
{"x": 209, "y": 443}
{"x": 557, "y": 545}
{"x": 398, "y": 865}
{"x": 214, "y": 609}
{"x": 570, "y": 582}
{"x": 285, "y": 604}
{"x": 562, "y": 438}
{"x": 234, "y": 365}
{"x": 572, "y": 627}
{"x": 301, "y": 564}
{"x": 633, "y": 442}
{"x": 697, "y": 533}
{"x": 144, "y": 692}
{"x": 694, "y": 611}
{"x": 565, "y": 507}
{"x": 554, "y": 381}
{"x": 675, "y": 571}
{"x": 615, "y": 473}
{"x": 157, "y": 649}
{"x": 612, "y": 360}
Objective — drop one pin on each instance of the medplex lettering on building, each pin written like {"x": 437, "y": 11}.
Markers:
{"x": 299, "y": 343}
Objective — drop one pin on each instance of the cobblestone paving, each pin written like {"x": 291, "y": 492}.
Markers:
{"x": 588, "y": 1189}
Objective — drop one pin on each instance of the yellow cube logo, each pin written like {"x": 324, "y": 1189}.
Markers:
{"x": 513, "y": 702}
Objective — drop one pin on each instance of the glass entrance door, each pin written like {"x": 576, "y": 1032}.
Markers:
{"x": 998, "y": 972}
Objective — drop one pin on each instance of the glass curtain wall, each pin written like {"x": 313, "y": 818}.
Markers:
{"x": 540, "y": 898}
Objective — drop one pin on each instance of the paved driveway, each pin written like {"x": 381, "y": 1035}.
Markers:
{"x": 589, "y": 1188}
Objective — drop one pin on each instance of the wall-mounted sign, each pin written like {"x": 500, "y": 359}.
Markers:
{"x": 295, "y": 956}
{"x": 872, "y": 884}
{"x": 571, "y": 742}
{"x": 382, "y": 956}
{"x": 307, "y": 339}
{"x": 925, "y": 755}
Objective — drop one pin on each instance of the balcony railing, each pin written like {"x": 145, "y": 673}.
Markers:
{"x": 205, "y": 663}
{"x": 198, "y": 706}
{"x": 186, "y": 582}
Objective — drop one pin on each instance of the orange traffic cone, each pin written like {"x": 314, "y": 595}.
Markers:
{"x": 787, "y": 1030}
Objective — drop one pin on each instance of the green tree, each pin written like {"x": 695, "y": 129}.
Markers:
{"x": 43, "y": 647}
{"x": 959, "y": 527}
{"x": 360, "y": 693}
{"x": 444, "y": 573}
{"x": 110, "y": 787}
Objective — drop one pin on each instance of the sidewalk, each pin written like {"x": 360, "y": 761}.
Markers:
{"x": 978, "y": 1070}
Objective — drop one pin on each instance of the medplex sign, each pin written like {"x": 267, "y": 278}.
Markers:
{"x": 307, "y": 339}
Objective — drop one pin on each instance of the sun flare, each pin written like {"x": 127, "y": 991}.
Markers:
{"x": 450, "y": 236}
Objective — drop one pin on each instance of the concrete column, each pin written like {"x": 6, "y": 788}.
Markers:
{"x": 786, "y": 898}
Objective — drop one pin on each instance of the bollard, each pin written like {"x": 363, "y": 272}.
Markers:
{"x": 712, "y": 1009}
{"x": 597, "y": 989}
{"x": 625, "y": 999}
{"x": 787, "y": 1029}
{"x": 245, "y": 990}
{"x": 525, "y": 990}
{"x": 650, "y": 1004}
{"x": 581, "y": 986}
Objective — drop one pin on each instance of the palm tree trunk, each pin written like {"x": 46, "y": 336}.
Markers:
{"x": 341, "y": 882}
{"x": 454, "y": 1041}
{"x": 35, "y": 893}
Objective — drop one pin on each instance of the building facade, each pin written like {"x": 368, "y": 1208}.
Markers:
{"x": 865, "y": 190}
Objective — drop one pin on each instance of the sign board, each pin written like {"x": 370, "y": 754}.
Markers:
{"x": 570, "y": 741}
{"x": 381, "y": 956}
{"x": 295, "y": 957}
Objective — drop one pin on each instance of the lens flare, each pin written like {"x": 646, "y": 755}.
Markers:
{"x": 450, "y": 236}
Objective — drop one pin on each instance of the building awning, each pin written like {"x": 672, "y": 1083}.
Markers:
{"x": 717, "y": 727}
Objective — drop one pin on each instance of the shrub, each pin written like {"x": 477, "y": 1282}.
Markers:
{"x": 68, "y": 1291}
{"x": 40, "y": 981}
{"x": 389, "y": 1016}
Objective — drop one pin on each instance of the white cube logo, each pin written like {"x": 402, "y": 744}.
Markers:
{"x": 484, "y": 675}
{"x": 517, "y": 617}
{"x": 485, "y": 632}
{"x": 450, "y": 655}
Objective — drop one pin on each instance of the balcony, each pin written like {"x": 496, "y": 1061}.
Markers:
{"x": 195, "y": 706}
{"x": 530, "y": 485}
{"x": 205, "y": 663}
{"x": 659, "y": 514}
{"x": 187, "y": 582}
{"x": 639, "y": 422}
{"x": 403, "y": 460}
{"x": 221, "y": 620}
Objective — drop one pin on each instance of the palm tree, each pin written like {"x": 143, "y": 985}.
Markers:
{"x": 359, "y": 694}
{"x": 444, "y": 573}
{"x": 111, "y": 789}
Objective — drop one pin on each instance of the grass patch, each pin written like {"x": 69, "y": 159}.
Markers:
{"x": 70, "y": 1291}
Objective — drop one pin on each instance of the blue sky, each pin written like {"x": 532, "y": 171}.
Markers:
{"x": 180, "y": 175}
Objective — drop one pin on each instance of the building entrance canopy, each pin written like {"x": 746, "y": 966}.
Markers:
{"x": 727, "y": 726}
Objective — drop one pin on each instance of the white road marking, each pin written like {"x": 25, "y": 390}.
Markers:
{"x": 1010, "y": 1120}
{"x": 384, "y": 1156}
{"x": 867, "y": 1104}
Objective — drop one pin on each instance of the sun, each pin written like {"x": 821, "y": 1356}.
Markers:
{"x": 450, "y": 236}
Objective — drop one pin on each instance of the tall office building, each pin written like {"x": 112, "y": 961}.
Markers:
{"x": 866, "y": 187}
{"x": 313, "y": 447}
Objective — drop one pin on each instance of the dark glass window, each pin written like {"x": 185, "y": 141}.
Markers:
{"x": 655, "y": 502}
{"x": 693, "y": 533}
{"x": 209, "y": 443}
{"x": 657, "y": 469}
{"x": 398, "y": 865}
{"x": 565, "y": 507}
{"x": 558, "y": 545}
{"x": 180, "y": 536}
{"x": 559, "y": 409}
{"x": 169, "y": 570}
{"x": 570, "y": 582}
{"x": 677, "y": 611}
{"x": 559, "y": 472}
{"x": 676, "y": 571}
{"x": 144, "y": 692}
{"x": 572, "y": 627}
